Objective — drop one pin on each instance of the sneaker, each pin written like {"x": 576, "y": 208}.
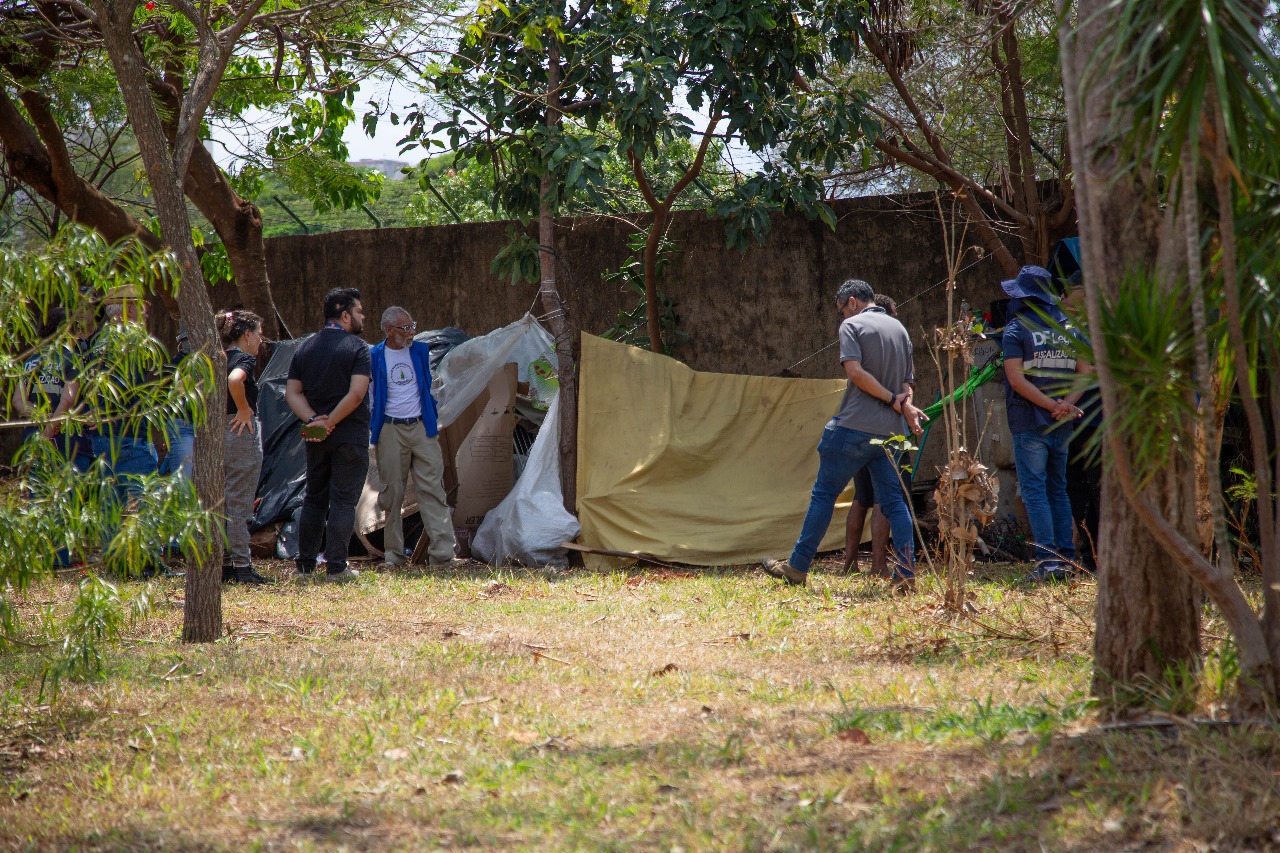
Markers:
{"x": 347, "y": 575}
{"x": 302, "y": 572}
{"x": 1046, "y": 572}
{"x": 452, "y": 563}
{"x": 247, "y": 575}
{"x": 783, "y": 570}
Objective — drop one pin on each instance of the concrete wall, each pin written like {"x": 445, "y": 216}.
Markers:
{"x": 762, "y": 311}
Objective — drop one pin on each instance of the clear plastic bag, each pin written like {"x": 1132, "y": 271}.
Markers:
{"x": 464, "y": 373}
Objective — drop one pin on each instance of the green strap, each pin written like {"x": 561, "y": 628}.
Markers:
{"x": 978, "y": 376}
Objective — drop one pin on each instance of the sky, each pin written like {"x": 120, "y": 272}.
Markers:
{"x": 228, "y": 145}
{"x": 397, "y": 97}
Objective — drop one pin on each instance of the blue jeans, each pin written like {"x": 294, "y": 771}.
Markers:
{"x": 841, "y": 454}
{"x": 181, "y": 437}
{"x": 129, "y": 458}
{"x": 1041, "y": 461}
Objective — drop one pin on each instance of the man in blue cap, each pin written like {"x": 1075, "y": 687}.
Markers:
{"x": 1040, "y": 367}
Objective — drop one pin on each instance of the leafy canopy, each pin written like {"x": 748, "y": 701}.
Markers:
{"x": 735, "y": 64}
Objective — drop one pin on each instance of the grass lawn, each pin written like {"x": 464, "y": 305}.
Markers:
{"x": 715, "y": 709}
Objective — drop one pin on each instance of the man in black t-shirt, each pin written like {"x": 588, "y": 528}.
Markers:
{"x": 328, "y": 380}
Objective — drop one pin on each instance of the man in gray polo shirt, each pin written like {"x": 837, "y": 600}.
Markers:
{"x": 875, "y": 351}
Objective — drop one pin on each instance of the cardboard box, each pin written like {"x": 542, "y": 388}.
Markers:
{"x": 483, "y": 462}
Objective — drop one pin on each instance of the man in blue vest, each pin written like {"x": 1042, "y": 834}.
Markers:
{"x": 1041, "y": 398}
{"x": 404, "y": 437}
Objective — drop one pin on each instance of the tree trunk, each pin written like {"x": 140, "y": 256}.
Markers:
{"x": 559, "y": 316}
{"x": 1121, "y": 230}
{"x": 1148, "y": 615}
{"x": 652, "y": 315}
{"x": 202, "y": 611}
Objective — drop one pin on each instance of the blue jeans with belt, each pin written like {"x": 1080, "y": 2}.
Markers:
{"x": 843, "y": 452}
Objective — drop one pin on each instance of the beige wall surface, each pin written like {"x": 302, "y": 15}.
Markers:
{"x": 756, "y": 312}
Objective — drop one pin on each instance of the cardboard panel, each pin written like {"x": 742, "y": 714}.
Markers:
{"x": 483, "y": 461}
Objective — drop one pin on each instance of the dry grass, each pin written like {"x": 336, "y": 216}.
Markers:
{"x": 707, "y": 710}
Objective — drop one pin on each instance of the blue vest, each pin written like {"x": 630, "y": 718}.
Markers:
{"x": 420, "y": 355}
{"x": 1048, "y": 358}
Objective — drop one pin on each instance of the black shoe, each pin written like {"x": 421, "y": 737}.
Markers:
{"x": 246, "y": 574}
{"x": 228, "y": 573}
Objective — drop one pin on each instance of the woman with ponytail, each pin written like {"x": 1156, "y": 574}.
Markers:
{"x": 241, "y": 334}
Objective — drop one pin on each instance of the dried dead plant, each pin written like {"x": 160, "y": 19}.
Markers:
{"x": 967, "y": 493}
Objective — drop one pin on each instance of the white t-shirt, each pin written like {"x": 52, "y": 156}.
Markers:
{"x": 402, "y": 385}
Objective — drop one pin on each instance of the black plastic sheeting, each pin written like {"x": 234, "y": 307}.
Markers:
{"x": 284, "y": 457}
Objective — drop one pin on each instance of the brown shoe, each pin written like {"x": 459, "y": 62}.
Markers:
{"x": 783, "y": 570}
{"x": 902, "y": 583}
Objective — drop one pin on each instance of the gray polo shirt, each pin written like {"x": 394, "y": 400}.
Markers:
{"x": 883, "y": 347}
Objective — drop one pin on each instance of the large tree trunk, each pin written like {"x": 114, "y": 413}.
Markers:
{"x": 1123, "y": 228}
{"x": 202, "y": 611}
{"x": 1147, "y": 621}
{"x": 1148, "y": 615}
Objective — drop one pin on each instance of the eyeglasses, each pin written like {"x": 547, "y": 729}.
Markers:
{"x": 412, "y": 327}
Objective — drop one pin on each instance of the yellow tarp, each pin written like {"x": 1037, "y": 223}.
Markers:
{"x": 702, "y": 468}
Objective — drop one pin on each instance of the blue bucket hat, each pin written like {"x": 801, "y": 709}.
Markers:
{"x": 1032, "y": 283}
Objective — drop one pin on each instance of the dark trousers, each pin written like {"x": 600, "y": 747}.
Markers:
{"x": 1084, "y": 490}
{"x": 335, "y": 479}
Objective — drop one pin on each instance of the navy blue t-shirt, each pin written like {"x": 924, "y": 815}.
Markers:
{"x": 1049, "y": 363}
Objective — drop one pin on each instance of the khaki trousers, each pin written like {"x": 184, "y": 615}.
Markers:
{"x": 405, "y": 449}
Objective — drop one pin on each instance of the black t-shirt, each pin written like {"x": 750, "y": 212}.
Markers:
{"x": 324, "y": 364}
{"x": 247, "y": 363}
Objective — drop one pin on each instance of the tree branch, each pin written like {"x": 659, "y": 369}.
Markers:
{"x": 942, "y": 169}
{"x": 64, "y": 173}
{"x": 693, "y": 171}
{"x": 981, "y": 222}
{"x": 637, "y": 169}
